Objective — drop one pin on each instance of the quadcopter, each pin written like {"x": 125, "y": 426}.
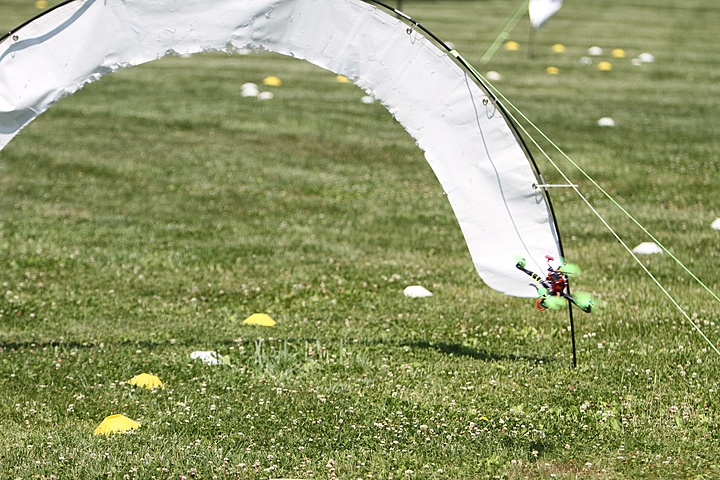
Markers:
{"x": 553, "y": 290}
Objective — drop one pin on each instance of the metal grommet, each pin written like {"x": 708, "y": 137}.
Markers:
{"x": 15, "y": 38}
{"x": 485, "y": 101}
{"x": 408, "y": 30}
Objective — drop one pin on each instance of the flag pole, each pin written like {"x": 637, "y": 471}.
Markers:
{"x": 531, "y": 43}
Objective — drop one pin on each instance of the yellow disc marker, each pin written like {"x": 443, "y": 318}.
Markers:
{"x": 618, "y": 53}
{"x": 115, "y": 424}
{"x": 342, "y": 79}
{"x": 512, "y": 46}
{"x": 605, "y": 66}
{"x": 261, "y": 319}
{"x": 145, "y": 380}
{"x": 552, "y": 71}
{"x": 41, "y": 4}
{"x": 272, "y": 81}
{"x": 558, "y": 48}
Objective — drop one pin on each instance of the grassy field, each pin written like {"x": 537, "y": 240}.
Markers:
{"x": 146, "y": 216}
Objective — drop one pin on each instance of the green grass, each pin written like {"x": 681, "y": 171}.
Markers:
{"x": 147, "y": 215}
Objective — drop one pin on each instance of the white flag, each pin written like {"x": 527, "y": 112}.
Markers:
{"x": 541, "y": 11}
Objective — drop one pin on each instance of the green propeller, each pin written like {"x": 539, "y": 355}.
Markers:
{"x": 571, "y": 269}
{"x": 554, "y": 302}
{"x": 585, "y": 300}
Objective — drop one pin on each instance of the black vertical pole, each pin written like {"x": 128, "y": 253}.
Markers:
{"x": 572, "y": 327}
{"x": 572, "y": 332}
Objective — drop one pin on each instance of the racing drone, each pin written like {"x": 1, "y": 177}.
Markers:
{"x": 553, "y": 289}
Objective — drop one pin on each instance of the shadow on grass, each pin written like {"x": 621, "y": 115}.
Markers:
{"x": 35, "y": 344}
{"x": 464, "y": 351}
{"x": 453, "y": 349}
{"x": 446, "y": 348}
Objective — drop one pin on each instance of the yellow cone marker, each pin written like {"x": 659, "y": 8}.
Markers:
{"x": 115, "y": 424}
{"x": 618, "y": 53}
{"x": 41, "y": 4}
{"x": 552, "y": 71}
{"x": 605, "y": 66}
{"x": 512, "y": 46}
{"x": 272, "y": 81}
{"x": 558, "y": 48}
{"x": 145, "y": 380}
{"x": 261, "y": 319}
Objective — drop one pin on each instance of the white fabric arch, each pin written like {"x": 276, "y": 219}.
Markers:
{"x": 466, "y": 140}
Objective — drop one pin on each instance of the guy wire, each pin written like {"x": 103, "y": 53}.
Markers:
{"x": 504, "y": 33}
